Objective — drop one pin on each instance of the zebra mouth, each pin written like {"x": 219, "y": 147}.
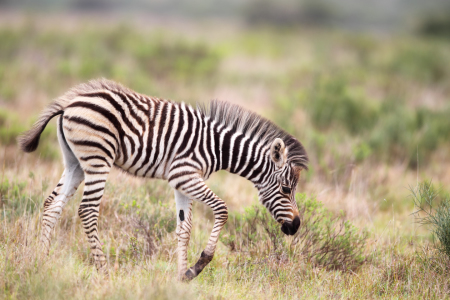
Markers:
{"x": 290, "y": 228}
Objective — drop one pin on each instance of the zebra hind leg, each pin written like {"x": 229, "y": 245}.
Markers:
{"x": 66, "y": 188}
{"x": 96, "y": 154}
{"x": 89, "y": 211}
{"x": 53, "y": 206}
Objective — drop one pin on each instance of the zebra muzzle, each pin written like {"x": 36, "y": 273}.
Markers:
{"x": 290, "y": 228}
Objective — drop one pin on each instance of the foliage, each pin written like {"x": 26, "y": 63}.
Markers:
{"x": 436, "y": 25}
{"x": 388, "y": 131}
{"x": 330, "y": 104}
{"x": 434, "y": 212}
{"x": 424, "y": 63}
{"x": 10, "y": 128}
{"x": 323, "y": 239}
{"x": 153, "y": 226}
{"x": 327, "y": 240}
{"x": 316, "y": 13}
{"x": 16, "y": 200}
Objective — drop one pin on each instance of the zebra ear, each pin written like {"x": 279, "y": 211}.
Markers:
{"x": 278, "y": 152}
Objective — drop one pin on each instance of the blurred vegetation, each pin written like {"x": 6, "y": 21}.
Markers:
{"x": 16, "y": 200}
{"x": 436, "y": 25}
{"x": 122, "y": 53}
{"x": 288, "y": 13}
{"x": 389, "y": 130}
{"x": 359, "y": 90}
{"x": 11, "y": 127}
{"x": 371, "y": 101}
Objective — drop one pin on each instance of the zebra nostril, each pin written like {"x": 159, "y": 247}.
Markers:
{"x": 291, "y": 228}
{"x": 295, "y": 224}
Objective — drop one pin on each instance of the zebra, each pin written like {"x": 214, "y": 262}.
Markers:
{"x": 102, "y": 124}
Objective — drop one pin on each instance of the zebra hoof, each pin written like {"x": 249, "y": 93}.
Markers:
{"x": 189, "y": 275}
{"x": 198, "y": 268}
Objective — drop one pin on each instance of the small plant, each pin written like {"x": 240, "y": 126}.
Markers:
{"x": 433, "y": 210}
{"x": 152, "y": 226}
{"x": 327, "y": 240}
{"x": 323, "y": 239}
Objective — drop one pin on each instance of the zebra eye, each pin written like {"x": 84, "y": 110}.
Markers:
{"x": 286, "y": 190}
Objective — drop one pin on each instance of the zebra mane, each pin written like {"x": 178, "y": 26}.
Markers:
{"x": 254, "y": 126}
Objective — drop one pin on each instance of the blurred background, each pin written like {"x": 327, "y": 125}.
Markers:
{"x": 363, "y": 84}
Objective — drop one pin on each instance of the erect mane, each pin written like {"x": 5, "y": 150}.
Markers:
{"x": 253, "y": 126}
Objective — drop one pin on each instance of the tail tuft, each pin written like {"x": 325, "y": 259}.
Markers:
{"x": 29, "y": 141}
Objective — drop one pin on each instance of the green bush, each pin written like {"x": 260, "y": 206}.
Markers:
{"x": 177, "y": 59}
{"x": 433, "y": 211}
{"x": 15, "y": 200}
{"x": 330, "y": 104}
{"x": 389, "y": 130}
{"x": 435, "y": 25}
{"x": 10, "y": 127}
{"x": 151, "y": 225}
{"x": 323, "y": 239}
{"x": 327, "y": 240}
{"x": 420, "y": 62}
{"x": 408, "y": 134}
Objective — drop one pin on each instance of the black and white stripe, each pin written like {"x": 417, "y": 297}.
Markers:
{"x": 103, "y": 124}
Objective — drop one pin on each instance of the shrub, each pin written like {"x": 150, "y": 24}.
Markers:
{"x": 330, "y": 104}
{"x": 387, "y": 131}
{"x": 327, "y": 240}
{"x": 10, "y": 128}
{"x": 15, "y": 200}
{"x": 179, "y": 59}
{"x": 435, "y": 25}
{"x": 433, "y": 210}
{"x": 323, "y": 239}
{"x": 150, "y": 227}
{"x": 421, "y": 62}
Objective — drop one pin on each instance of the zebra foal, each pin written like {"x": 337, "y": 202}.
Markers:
{"x": 102, "y": 124}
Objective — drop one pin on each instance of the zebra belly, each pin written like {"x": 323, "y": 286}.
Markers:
{"x": 143, "y": 164}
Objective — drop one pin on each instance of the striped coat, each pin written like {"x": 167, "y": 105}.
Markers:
{"x": 103, "y": 124}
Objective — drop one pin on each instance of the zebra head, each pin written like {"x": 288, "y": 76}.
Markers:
{"x": 277, "y": 192}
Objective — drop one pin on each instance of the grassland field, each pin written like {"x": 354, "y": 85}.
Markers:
{"x": 372, "y": 110}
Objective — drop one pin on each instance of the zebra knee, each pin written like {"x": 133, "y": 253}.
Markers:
{"x": 221, "y": 213}
{"x": 80, "y": 212}
{"x": 47, "y": 202}
{"x": 224, "y": 217}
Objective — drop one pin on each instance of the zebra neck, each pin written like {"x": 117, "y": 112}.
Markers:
{"x": 242, "y": 155}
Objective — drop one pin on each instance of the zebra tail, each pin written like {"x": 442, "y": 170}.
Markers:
{"x": 29, "y": 141}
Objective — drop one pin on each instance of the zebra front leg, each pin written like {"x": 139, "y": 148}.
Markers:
{"x": 197, "y": 189}
{"x": 184, "y": 226}
{"x": 54, "y": 204}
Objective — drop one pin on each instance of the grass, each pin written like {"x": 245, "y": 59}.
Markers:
{"x": 371, "y": 111}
